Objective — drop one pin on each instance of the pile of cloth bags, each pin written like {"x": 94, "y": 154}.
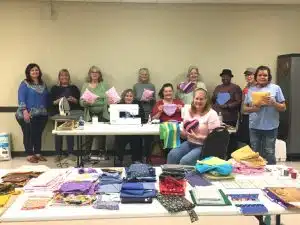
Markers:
{"x": 246, "y": 161}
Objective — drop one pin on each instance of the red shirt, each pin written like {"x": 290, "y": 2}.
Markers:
{"x": 164, "y": 117}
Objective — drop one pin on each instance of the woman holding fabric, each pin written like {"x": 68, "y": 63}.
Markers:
{"x": 264, "y": 102}
{"x": 64, "y": 88}
{"x": 168, "y": 108}
{"x": 96, "y": 106}
{"x": 144, "y": 92}
{"x": 185, "y": 89}
{"x": 199, "y": 122}
{"x": 135, "y": 141}
{"x": 32, "y": 115}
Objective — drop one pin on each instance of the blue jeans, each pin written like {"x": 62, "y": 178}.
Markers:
{"x": 263, "y": 142}
{"x": 187, "y": 154}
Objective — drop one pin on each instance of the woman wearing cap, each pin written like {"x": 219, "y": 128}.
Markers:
{"x": 200, "y": 121}
{"x": 168, "y": 108}
{"x": 264, "y": 114}
{"x": 227, "y": 98}
{"x": 185, "y": 89}
{"x": 243, "y": 132}
{"x": 64, "y": 88}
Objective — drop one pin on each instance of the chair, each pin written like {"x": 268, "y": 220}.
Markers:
{"x": 216, "y": 143}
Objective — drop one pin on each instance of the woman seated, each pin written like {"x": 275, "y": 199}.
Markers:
{"x": 201, "y": 120}
{"x": 168, "y": 108}
{"x": 135, "y": 141}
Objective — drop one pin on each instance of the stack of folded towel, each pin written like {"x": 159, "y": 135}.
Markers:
{"x": 246, "y": 161}
{"x": 215, "y": 168}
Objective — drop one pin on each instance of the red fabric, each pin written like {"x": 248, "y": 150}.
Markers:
{"x": 172, "y": 186}
{"x": 245, "y": 90}
{"x": 164, "y": 117}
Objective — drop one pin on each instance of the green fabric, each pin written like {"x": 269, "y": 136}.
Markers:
{"x": 100, "y": 105}
{"x": 170, "y": 134}
{"x": 188, "y": 98}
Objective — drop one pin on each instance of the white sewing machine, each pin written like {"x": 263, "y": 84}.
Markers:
{"x": 124, "y": 114}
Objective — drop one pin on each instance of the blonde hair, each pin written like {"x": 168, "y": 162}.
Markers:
{"x": 207, "y": 106}
{"x": 97, "y": 70}
{"x": 193, "y": 68}
{"x": 59, "y": 74}
{"x": 144, "y": 70}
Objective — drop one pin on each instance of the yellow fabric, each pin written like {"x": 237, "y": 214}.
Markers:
{"x": 244, "y": 153}
{"x": 213, "y": 161}
{"x": 258, "y": 97}
{"x": 4, "y": 199}
{"x": 256, "y": 162}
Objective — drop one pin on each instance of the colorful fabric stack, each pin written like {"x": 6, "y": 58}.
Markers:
{"x": 172, "y": 183}
{"x": 170, "y": 134}
{"x": 6, "y": 190}
{"x": 140, "y": 184}
{"x": 186, "y": 87}
{"x": 19, "y": 179}
{"x": 246, "y": 161}
{"x": 110, "y": 183}
{"x": 215, "y": 168}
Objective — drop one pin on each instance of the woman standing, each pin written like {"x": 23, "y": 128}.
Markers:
{"x": 32, "y": 112}
{"x": 98, "y": 107}
{"x": 201, "y": 112}
{"x": 185, "y": 89}
{"x": 64, "y": 88}
{"x": 264, "y": 115}
{"x": 144, "y": 92}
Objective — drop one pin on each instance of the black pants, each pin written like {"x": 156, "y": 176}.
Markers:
{"x": 148, "y": 142}
{"x": 59, "y": 142}
{"x": 101, "y": 140}
{"x": 233, "y": 143}
{"x": 32, "y": 134}
{"x": 135, "y": 145}
{"x": 243, "y": 132}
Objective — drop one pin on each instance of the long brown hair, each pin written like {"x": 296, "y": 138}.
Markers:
{"x": 97, "y": 70}
{"x": 124, "y": 93}
{"x": 207, "y": 106}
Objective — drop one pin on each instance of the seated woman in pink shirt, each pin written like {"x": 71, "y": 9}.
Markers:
{"x": 198, "y": 123}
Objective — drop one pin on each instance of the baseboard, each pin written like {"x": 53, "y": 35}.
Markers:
{"x": 293, "y": 157}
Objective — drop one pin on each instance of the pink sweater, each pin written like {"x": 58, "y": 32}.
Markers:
{"x": 207, "y": 123}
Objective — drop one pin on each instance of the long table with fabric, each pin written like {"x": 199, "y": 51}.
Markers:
{"x": 155, "y": 209}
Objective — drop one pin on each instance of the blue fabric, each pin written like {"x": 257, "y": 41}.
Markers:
{"x": 187, "y": 154}
{"x": 109, "y": 188}
{"x": 110, "y": 178}
{"x": 138, "y": 186}
{"x": 34, "y": 98}
{"x": 267, "y": 118}
{"x": 224, "y": 169}
{"x": 139, "y": 170}
{"x": 138, "y": 194}
{"x": 223, "y": 98}
{"x": 263, "y": 142}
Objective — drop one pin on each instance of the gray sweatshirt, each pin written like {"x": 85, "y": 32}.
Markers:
{"x": 138, "y": 89}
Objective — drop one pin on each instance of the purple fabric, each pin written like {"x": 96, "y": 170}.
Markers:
{"x": 82, "y": 187}
{"x": 195, "y": 179}
{"x": 169, "y": 109}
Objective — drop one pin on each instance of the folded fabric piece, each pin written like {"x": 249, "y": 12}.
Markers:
{"x": 243, "y": 168}
{"x": 222, "y": 98}
{"x": 140, "y": 170}
{"x": 110, "y": 188}
{"x": 113, "y": 95}
{"x": 6, "y": 188}
{"x": 88, "y": 96}
{"x": 110, "y": 178}
{"x": 214, "y": 176}
{"x": 169, "y": 109}
{"x": 19, "y": 179}
{"x": 216, "y": 164}
{"x": 172, "y": 186}
{"x": 174, "y": 204}
{"x": 110, "y": 202}
{"x": 244, "y": 153}
{"x": 195, "y": 179}
{"x": 257, "y": 162}
{"x": 72, "y": 199}
{"x": 4, "y": 199}
{"x": 86, "y": 170}
{"x": 35, "y": 203}
{"x": 147, "y": 95}
{"x": 81, "y": 187}
{"x": 186, "y": 87}
{"x": 190, "y": 125}
{"x": 129, "y": 200}
{"x": 170, "y": 134}
{"x": 138, "y": 186}
{"x": 138, "y": 193}
{"x": 258, "y": 97}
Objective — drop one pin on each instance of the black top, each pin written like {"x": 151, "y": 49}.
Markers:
{"x": 69, "y": 91}
{"x": 141, "y": 111}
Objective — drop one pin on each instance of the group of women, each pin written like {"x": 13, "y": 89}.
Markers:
{"x": 36, "y": 103}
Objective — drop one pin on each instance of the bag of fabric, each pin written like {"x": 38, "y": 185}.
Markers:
{"x": 190, "y": 125}
{"x": 147, "y": 95}
{"x": 88, "y": 96}
{"x": 113, "y": 96}
{"x": 169, "y": 109}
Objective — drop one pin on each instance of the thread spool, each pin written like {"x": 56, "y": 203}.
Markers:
{"x": 294, "y": 175}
